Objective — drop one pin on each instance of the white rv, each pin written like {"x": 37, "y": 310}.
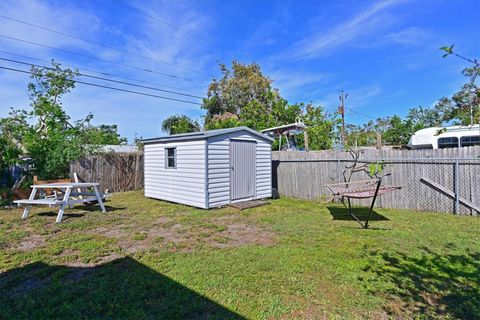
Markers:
{"x": 445, "y": 137}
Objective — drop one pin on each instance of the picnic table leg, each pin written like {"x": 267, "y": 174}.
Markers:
{"x": 26, "y": 211}
{"x": 64, "y": 204}
{"x": 99, "y": 199}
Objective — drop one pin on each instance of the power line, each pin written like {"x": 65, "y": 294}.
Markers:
{"x": 95, "y": 43}
{"x": 106, "y": 79}
{"x": 362, "y": 114}
{"x": 111, "y": 88}
{"x": 93, "y": 57}
{"x": 146, "y": 14}
{"x": 91, "y": 70}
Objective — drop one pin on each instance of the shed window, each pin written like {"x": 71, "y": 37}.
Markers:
{"x": 451, "y": 142}
{"x": 470, "y": 141}
{"x": 171, "y": 157}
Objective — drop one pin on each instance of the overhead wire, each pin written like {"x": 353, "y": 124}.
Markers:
{"x": 95, "y": 43}
{"x": 362, "y": 114}
{"x": 148, "y": 15}
{"x": 111, "y": 88}
{"x": 108, "y": 74}
{"x": 106, "y": 79}
{"x": 93, "y": 57}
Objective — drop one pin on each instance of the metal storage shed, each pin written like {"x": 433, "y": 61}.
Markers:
{"x": 209, "y": 169}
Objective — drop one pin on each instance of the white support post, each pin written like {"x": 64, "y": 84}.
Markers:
{"x": 99, "y": 199}
{"x": 64, "y": 204}
{"x": 26, "y": 211}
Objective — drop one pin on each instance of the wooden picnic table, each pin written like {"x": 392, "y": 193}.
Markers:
{"x": 73, "y": 192}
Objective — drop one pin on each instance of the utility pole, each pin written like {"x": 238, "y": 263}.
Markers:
{"x": 341, "y": 110}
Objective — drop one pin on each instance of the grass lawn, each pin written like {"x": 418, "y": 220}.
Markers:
{"x": 291, "y": 259}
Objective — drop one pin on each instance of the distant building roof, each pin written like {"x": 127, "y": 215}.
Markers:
{"x": 121, "y": 148}
{"x": 204, "y": 135}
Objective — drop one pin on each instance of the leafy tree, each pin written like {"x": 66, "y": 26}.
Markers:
{"x": 464, "y": 106}
{"x": 103, "y": 134}
{"x": 226, "y": 120}
{"x": 319, "y": 128}
{"x": 45, "y": 131}
{"x": 179, "y": 124}
{"x": 244, "y": 97}
{"x": 399, "y": 131}
{"x": 236, "y": 89}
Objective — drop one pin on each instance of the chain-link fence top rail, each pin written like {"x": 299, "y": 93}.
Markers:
{"x": 445, "y": 180}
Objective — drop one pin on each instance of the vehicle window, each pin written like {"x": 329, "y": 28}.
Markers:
{"x": 470, "y": 141}
{"x": 451, "y": 142}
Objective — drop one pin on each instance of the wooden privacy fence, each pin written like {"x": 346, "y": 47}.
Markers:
{"x": 116, "y": 172}
{"x": 445, "y": 180}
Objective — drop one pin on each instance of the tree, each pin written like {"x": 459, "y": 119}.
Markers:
{"x": 464, "y": 106}
{"x": 45, "y": 131}
{"x": 236, "y": 89}
{"x": 319, "y": 128}
{"x": 179, "y": 124}
{"x": 103, "y": 134}
{"x": 244, "y": 97}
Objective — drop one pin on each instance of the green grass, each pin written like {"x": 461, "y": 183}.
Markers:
{"x": 291, "y": 259}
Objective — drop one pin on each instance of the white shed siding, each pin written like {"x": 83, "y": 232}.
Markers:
{"x": 183, "y": 184}
{"x": 219, "y": 168}
{"x": 264, "y": 170}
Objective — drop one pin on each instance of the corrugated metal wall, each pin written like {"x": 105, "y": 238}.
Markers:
{"x": 219, "y": 168}
{"x": 183, "y": 184}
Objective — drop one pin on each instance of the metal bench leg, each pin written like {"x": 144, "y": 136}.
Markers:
{"x": 99, "y": 199}
{"x": 64, "y": 205}
{"x": 26, "y": 211}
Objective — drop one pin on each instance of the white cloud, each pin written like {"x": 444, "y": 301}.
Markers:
{"x": 133, "y": 113}
{"x": 370, "y": 20}
{"x": 407, "y": 36}
{"x": 294, "y": 82}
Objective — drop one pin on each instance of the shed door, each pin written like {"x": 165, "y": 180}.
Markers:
{"x": 242, "y": 169}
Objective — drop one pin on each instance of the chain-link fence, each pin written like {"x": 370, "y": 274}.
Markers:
{"x": 447, "y": 184}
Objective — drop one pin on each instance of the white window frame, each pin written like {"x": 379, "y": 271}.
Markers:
{"x": 174, "y": 158}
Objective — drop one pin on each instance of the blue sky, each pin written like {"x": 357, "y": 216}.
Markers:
{"x": 383, "y": 53}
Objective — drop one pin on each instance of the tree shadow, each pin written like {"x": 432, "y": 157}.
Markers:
{"x": 433, "y": 285}
{"x": 341, "y": 213}
{"x": 121, "y": 289}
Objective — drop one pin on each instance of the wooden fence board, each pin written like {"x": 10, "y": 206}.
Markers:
{"x": 115, "y": 172}
{"x": 304, "y": 174}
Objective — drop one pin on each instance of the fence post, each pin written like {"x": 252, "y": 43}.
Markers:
{"x": 457, "y": 188}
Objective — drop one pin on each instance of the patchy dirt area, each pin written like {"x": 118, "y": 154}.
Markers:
{"x": 31, "y": 242}
{"x": 224, "y": 232}
{"x": 239, "y": 234}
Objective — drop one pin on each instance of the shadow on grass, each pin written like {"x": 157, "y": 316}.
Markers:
{"x": 121, "y": 289}
{"x": 69, "y": 214}
{"x": 432, "y": 285}
{"x": 95, "y": 207}
{"x": 66, "y": 215}
{"x": 341, "y": 213}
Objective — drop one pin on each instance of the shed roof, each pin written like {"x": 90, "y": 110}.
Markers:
{"x": 204, "y": 135}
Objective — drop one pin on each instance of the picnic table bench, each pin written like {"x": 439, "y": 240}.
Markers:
{"x": 72, "y": 193}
